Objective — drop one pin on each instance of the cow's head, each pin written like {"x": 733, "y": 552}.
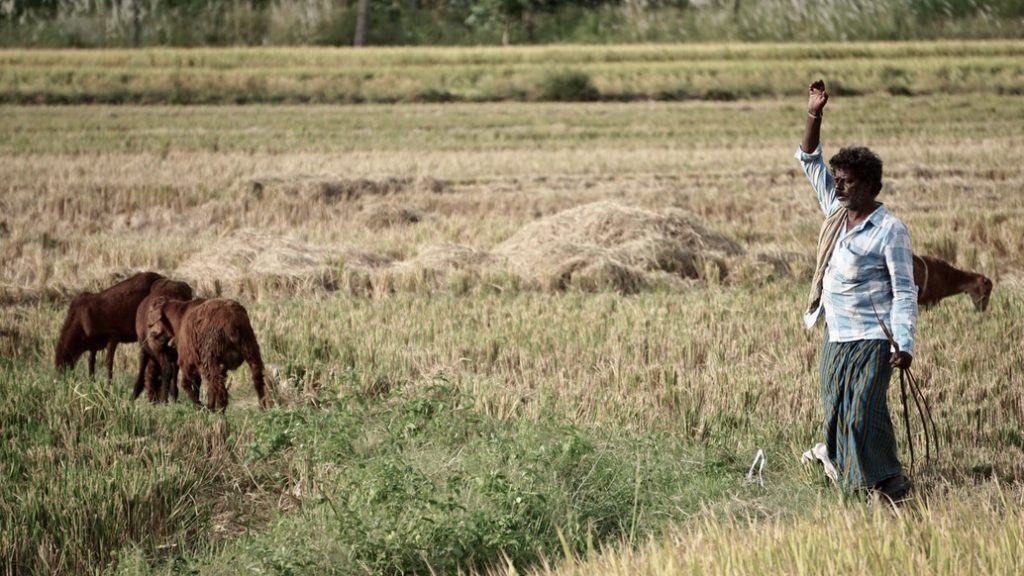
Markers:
{"x": 159, "y": 333}
{"x": 980, "y": 290}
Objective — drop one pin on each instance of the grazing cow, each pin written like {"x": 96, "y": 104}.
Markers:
{"x": 158, "y": 354}
{"x": 102, "y": 320}
{"x": 212, "y": 337}
{"x": 937, "y": 279}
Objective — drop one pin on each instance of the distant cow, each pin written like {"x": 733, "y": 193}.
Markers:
{"x": 937, "y": 279}
{"x": 102, "y": 320}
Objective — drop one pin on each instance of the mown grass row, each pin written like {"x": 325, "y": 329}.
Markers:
{"x": 715, "y": 72}
{"x": 692, "y": 131}
{"x": 431, "y": 56}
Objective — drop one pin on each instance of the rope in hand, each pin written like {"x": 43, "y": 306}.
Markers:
{"x": 924, "y": 411}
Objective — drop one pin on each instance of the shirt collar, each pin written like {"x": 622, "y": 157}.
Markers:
{"x": 875, "y": 218}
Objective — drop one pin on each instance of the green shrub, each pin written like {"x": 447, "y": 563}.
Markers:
{"x": 568, "y": 86}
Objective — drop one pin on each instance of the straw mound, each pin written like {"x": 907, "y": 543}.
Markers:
{"x": 329, "y": 190}
{"x": 594, "y": 247}
{"x": 387, "y": 215}
{"x": 248, "y": 260}
{"x": 608, "y": 245}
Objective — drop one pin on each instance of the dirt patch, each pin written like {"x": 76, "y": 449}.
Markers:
{"x": 609, "y": 245}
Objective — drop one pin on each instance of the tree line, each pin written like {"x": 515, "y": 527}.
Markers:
{"x": 120, "y": 23}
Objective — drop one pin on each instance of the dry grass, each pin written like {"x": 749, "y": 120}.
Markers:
{"x": 832, "y": 540}
{"x": 328, "y": 190}
{"x": 76, "y": 220}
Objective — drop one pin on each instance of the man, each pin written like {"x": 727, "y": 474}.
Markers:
{"x": 864, "y": 276}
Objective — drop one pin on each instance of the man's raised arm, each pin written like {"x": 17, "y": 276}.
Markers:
{"x": 809, "y": 153}
{"x": 815, "y": 107}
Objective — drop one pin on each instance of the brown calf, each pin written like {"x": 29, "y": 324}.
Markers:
{"x": 212, "y": 337}
{"x": 937, "y": 279}
{"x": 157, "y": 354}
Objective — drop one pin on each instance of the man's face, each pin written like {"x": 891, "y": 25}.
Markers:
{"x": 852, "y": 193}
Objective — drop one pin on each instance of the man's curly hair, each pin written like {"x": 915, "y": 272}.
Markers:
{"x": 862, "y": 163}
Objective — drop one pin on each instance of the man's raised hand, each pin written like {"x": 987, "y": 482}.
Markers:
{"x": 818, "y": 98}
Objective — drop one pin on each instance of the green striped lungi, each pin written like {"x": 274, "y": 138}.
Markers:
{"x": 858, "y": 429}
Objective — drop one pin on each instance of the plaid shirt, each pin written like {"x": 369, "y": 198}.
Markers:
{"x": 871, "y": 263}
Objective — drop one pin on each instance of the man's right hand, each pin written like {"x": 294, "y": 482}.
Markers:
{"x": 818, "y": 98}
{"x": 815, "y": 106}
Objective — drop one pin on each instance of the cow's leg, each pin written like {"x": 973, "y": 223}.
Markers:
{"x": 171, "y": 377}
{"x": 92, "y": 363}
{"x": 168, "y": 374}
{"x": 154, "y": 382}
{"x": 190, "y": 381}
{"x": 111, "y": 347}
{"x": 216, "y": 389}
{"x": 251, "y": 354}
{"x": 141, "y": 377}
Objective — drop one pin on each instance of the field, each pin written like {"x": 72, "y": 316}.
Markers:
{"x": 512, "y": 337}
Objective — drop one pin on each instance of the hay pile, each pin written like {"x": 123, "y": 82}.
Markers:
{"x": 387, "y": 214}
{"x": 594, "y": 247}
{"x": 249, "y": 261}
{"x": 606, "y": 245}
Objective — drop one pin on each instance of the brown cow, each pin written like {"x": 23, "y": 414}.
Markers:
{"x": 157, "y": 354}
{"x": 212, "y": 337}
{"x": 937, "y": 279}
{"x": 102, "y": 320}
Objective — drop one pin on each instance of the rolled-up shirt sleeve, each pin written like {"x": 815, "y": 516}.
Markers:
{"x": 899, "y": 260}
{"x": 821, "y": 179}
